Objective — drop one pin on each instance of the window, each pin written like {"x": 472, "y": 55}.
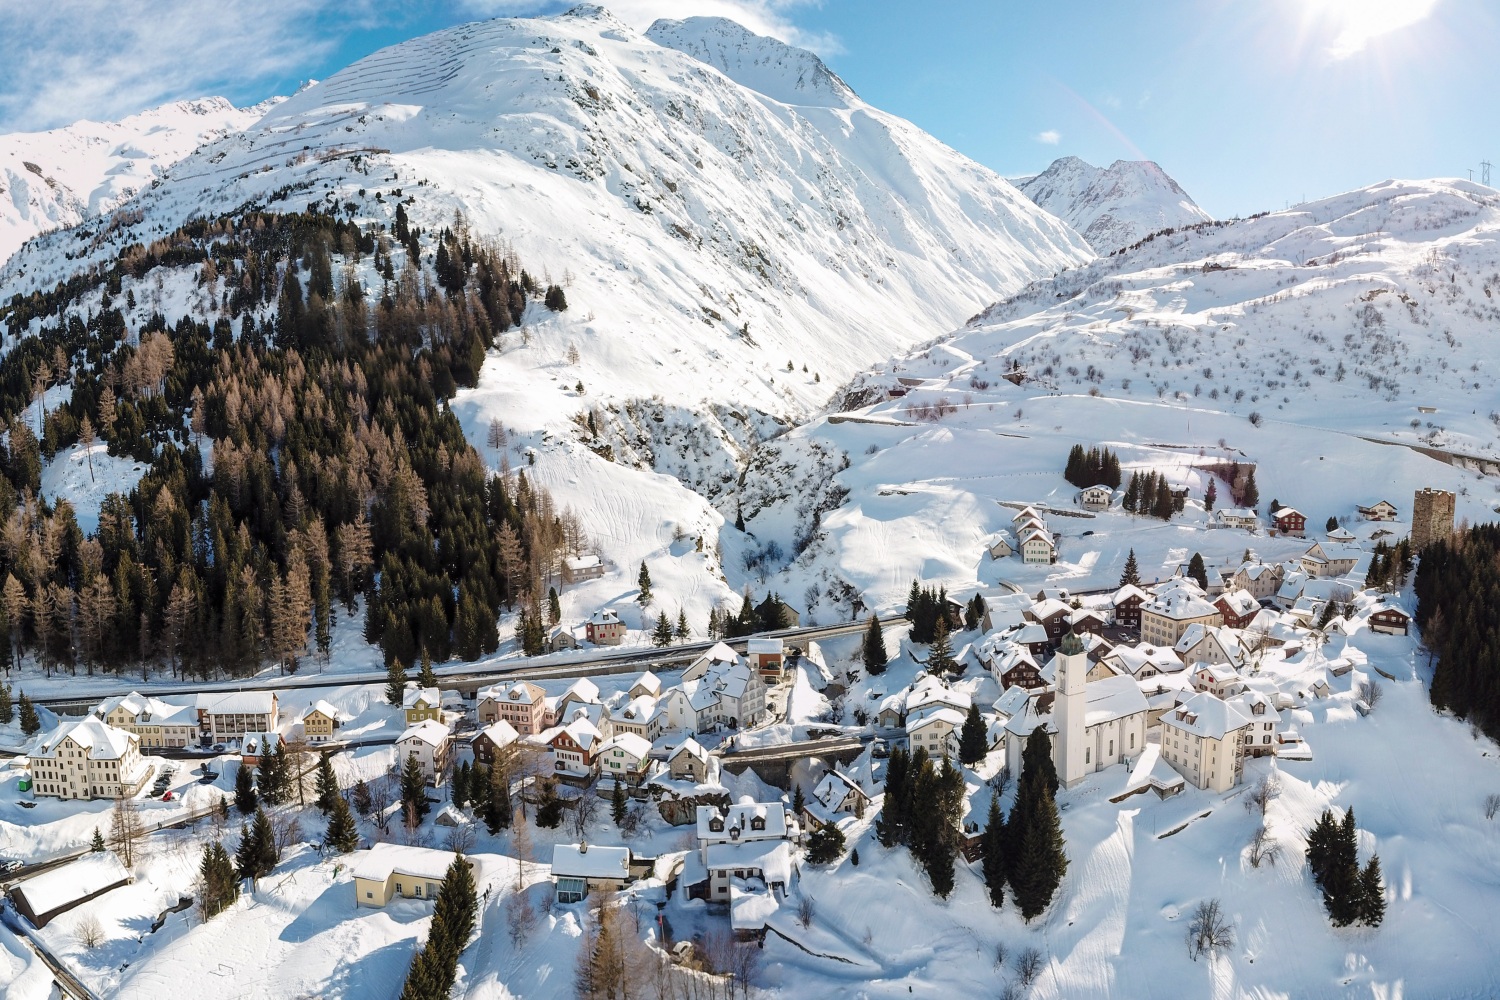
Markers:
{"x": 1086, "y": 753}
{"x": 369, "y": 895}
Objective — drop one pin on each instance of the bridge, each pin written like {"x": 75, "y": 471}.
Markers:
{"x": 773, "y": 764}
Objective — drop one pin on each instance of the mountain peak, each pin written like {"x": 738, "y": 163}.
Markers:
{"x": 1115, "y": 206}
{"x": 765, "y": 65}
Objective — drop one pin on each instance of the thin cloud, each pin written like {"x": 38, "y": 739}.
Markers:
{"x": 764, "y": 17}
{"x": 70, "y": 59}
{"x": 1051, "y": 137}
{"x": 1358, "y": 22}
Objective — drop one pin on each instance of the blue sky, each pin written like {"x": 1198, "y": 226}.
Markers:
{"x": 1250, "y": 104}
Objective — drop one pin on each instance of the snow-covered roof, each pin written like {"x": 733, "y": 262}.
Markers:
{"x": 256, "y": 744}
{"x": 1049, "y": 607}
{"x": 648, "y": 682}
{"x": 414, "y": 697}
{"x": 588, "y": 561}
{"x": 1282, "y": 512}
{"x": 1126, "y": 592}
{"x": 381, "y": 861}
{"x": 604, "y": 616}
{"x": 584, "y": 733}
{"x": 501, "y": 733}
{"x": 1133, "y": 659}
{"x": 690, "y": 747}
{"x": 583, "y": 690}
{"x": 584, "y": 861}
{"x": 91, "y": 873}
{"x": 102, "y": 741}
{"x": 1112, "y": 698}
{"x": 636, "y": 710}
{"x": 763, "y": 645}
{"x": 1205, "y": 714}
{"x": 521, "y": 692}
{"x": 428, "y": 731}
{"x": 952, "y": 717}
{"x": 328, "y": 710}
{"x": 751, "y": 904}
{"x": 238, "y": 703}
{"x": 774, "y": 857}
{"x": 1180, "y": 606}
{"x": 741, "y": 816}
{"x": 1239, "y": 602}
{"x": 632, "y": 744}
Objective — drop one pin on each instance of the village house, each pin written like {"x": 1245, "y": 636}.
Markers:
{"x": 1341, "y": 536}
{"x": 1389, "y": 621}
{"x": 389, "y": 870}
{"x": 574, "y": 746}
{"x": 689, "y": 762}
{"x": 581, "y": 869}
{"x": 1037, "y": 546}
{"x": 1237, "y": 607}
{"x": 88, "y": 759}
{"x": 1210, "y": 644}
{"x": 158, "y": 724}
{"x": 1235, "y": 517}
{"x": 422, "y": 704}
{"x": 1203, "y": 739}
{"x": 428, "y": 742}
{"x": 1015, "y": 667}
{"x": 766, "y": 656}
{"x": 561, "y": 637}
{"x": 836, "y": 794}
{"x": 522, "y": 704}
{"x": 1126, "y": 603}
{"x": 1053, "y": 615}
{"x": 1380, "y": 510}
{"x": 255, "y": 747}
{"x": 1326, "y": 563}
{"x": 646, "y": 685}
{"x": 1260, "y": 737}
{"x": 1096, "y": 497}
{"x": 491, "y": 742}
{"x": 1143, "y": 661}
{"x": 581, "y": 692}
{"x": 1260, "y": 580}
{"x": 1290, "y": 521}
{"x": 321, "y": 721}
{"x": 722, "y": 690}
{"x": 1003, "y": 546}
{"x": 229, "y": 716}
{"x": 640, "y": 715}
{"x": 624, "y": 757}
{"x": 936, "y": 731}
{"x": 604, "y": 628}
{"x": 1217, "y": 679}
{"x": 746, "y": 840}
{"x": 577, "y": 569}
{"x": 1164, "y": 619}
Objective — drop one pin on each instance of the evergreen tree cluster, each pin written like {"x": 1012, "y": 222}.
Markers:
{"x": 1389, "y": 566}
{"x": 925, "y": 608}
{"x": 922, "y": 810}
{"x": 872, "y": 650}
{"x": 1350, "y": 894}
{"x": 218, "y": 884}
{"x": 1095, "y": 467}
{"x": 338, "y": 472}
{"x": 826, "y": 845}
{"x": 1027, "y": 851}
{"x": 273, "y": 775}
{"x": 434, "y": 968}
{"x": 1458, "y": 594}
{"x": 258, "y": 854}
{"x": 771, "y": 615}
{"x": 1150, "y": 496}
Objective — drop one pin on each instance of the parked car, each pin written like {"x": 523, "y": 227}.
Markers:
{"x": 8, "y": 865}
{"x": 168, "y": 797}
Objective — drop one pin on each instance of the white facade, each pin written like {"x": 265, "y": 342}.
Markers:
{"x": 88, "y": 760}
{"x": 427, "y": 741}
{"x": 1072, "y": 671}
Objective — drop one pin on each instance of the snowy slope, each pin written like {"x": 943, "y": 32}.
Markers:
{"x": 1115, "y": 206}
{"x": 56, "y": 179}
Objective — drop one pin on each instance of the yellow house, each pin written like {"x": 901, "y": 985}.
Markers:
{"x": 422, "y": 704}
{"x": 321, "y": 722}
{"x": 389, "y": 870}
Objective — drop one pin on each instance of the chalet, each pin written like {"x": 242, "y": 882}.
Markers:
{"x": 54, "y": 893}
{"x": 88, "y": 759}
{"x": 422, "y": 705}
{"x": 389, "y": 870}
{"x": 1261, "y": 580}
{"x": 577, "y": 569}
{"x": 578, "y": 870}
{"x": 1126, "y": 603}
{"x": 747, "y": 840}
{"x": 257, "y": 746}
{"x": 837, "y": 794}
{"x": 1237, "y": 607}
{"x": 624, "y": 757}
{"x": 574, "y": 747}
{"x": 1204, "y": 741}
{"x": 766, "y": 656}
{"x": 1260, "y": 738}
{"x": 1218, "y": 679}
{"x": 581, "y": 692}
{"x": 230, "y": 716}
{"x": 1086, "y": 621}
{"x": 1329, "y": 561}
{"x": 1341, "y": 536}
{"x": 491, "y": 742}
{"x": 604, "y": 628}
{"x": 1290, "y": 521}
{"x": 1003, "y": 546}
{"x": 646, "y": 684}
{"x": 1016, "y": 667}
{"x": 689, "y": 762}
{"x": 1096, "y": 497}
{"x": 1380, "y": 510}
{"x": 1390, "y": 621}
{"x": 1210, "y": 644}
{"x": 561, "y": 637}
{"x": 321, "y": 721}
{"x": 428, "y": 743}
{"x": 1053, "y": 615}
{"x": 1037, "y": 546}
{"x": 1143, "y": 661}
{"x": 1235, "y": 517}
{"x": 522, "y": 704}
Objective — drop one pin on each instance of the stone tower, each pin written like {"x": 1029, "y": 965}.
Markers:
{"x": 1069, "y": 710}
{"x": 1431, "y": 517}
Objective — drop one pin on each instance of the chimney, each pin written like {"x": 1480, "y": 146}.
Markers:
{"x": 583, "y": 846}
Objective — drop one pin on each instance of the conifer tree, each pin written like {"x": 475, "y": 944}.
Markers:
{"x": 395, "y": 683}
{"x": 1197, "y": 571}
{"x": 618, "y": 805}
{"x": 1040, "y": 861}
{"x": 245, "y": 799}
{"x": 425, "y": 677}
{"x": 1132, "y": 501}
{"x": 682, "y": 633}
{"x": 1372, "y": 893}
{"x": 890, "y": 826}
{"x": 364, "y": 802}
{"x": 1164, "y": 505}
{"x": 994, "y": 854}
{"x": 30, "y": 724}
{"x": 343, "y": 834}
{"x": 459, "y": 790}
{"x": 257, "y": 855}
{"x": 799, "y": 801}
{"x": 1251, "y": 492}
{"x": 554, "y": 606}
{"x": 97, "y": 844}
{"x": 328, "y": 784}
{"x": 973, "y": 738}
{"x": 662, "y": 634}
{"x": 218, "y": 885}
{"x": 453, "y": 919}
{"x": 873, "y": 651}
{"x": 1210, "y": 494}
{"x": 826, "y": 845}
{"x": 497, "y": 807}
{"x": 7, "y": 712}
{"x": 940, "y": 656}
{"x": 1036, "y": 760}
{"x": 1132, "y": 573}
{"x": 413, "y": 788}
{"x": 643, "y": 581}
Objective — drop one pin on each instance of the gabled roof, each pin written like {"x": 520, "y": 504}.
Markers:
{"x": 1205, "y": 714}
{"x": 1126, "y": 592}
{"x": 648, "y": 682}
{"x": 583, "y": 690}
{"x": 1112, "y": 698}
{"x": 102, "y": 741}
{"x": 429, "y": 697}
{"x": 741, "y": 816}
{"x": 327, "y": 710}
{"x": 1282, "y": 512}
{"x": 583, "y": 861}
{"x": 604, "y": 616}
{"x": 501, "y": 734}
{"x": 379, "y": 862}
{"x": 691, "y": 748}
{"x": 951, "y": 716}
{"x": 630, "y": 743}
{"x": 428, "y": 731}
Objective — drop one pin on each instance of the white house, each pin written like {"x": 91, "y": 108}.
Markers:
{"x": 1234, "y": 517}
{"x": 1037, "y": 546}
{"x": 1203, "y": 740}
{"x": 88, "y": 759}
{"x": 624, "y": 757}
{"x": 1096, "y": 497}
{"x": 746, "y": 840}
{"x": 1002, "y": 546}
{"x": 1380, "y": 510}
{"x": 836, "y": 794}
{"x": 1166, "y": 617}
{"x": 230, "y": 716}
{"x": 159, "y": 724}
{"x": 428, "y": 742}
{"x": 579, "y": 869}
{"x": 935, "y": 730}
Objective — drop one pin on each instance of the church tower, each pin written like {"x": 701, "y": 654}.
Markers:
{"x": 1068, "y": 709}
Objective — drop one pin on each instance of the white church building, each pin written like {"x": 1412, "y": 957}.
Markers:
{"x": 1093, "y": 724}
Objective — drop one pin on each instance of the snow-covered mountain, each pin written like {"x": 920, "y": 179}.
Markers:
{"x": 56, "y": 179}
{"x": 1115, "y": 206}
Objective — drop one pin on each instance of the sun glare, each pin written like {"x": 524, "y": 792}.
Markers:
{"x": 1356, "y": 22}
